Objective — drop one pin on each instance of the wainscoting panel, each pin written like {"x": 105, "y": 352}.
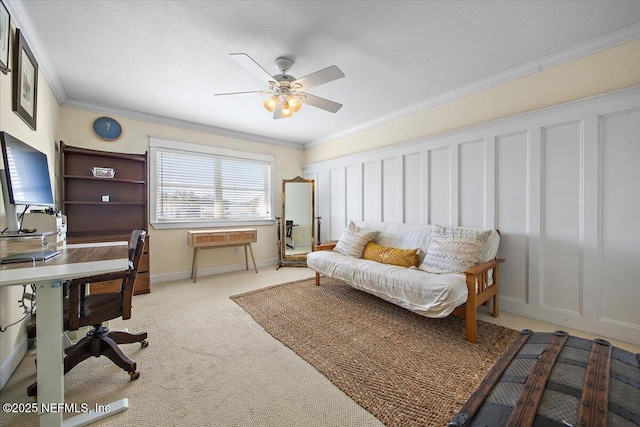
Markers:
{"x": 372, "y": 193}
{"x": 413, "y": 188}
{"x": 512, "y": 183}
{"x": 620, "y": 232}
{"x": 391, "y": 190}
{"x": 561, "y": 217}
{"x": 338, "y": 214}
{"x": 562, "y": 185}
{"x": 354, "y": 192}
{"x": 440, "y": 186}
{"x": 471, "y": 181}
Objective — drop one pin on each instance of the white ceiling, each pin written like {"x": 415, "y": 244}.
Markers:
{"x": 164, "y": 60}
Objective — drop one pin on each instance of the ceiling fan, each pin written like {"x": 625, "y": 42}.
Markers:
{"x": 287, "y": 92}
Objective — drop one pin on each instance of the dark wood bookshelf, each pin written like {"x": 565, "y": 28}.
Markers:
{"x": 89, "y": 219}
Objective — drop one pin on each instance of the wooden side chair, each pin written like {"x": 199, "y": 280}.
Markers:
{"x": 84, "y": 310}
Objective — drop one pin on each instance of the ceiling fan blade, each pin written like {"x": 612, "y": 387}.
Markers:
{"x": 319, "y": 77}
{"x": 318, "y": 102}
{"x": 242, "y": 93}
{"x": 247, "y": 62}
{"x": 277, "y": 113}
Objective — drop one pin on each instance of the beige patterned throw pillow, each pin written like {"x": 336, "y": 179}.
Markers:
{"x": 354, "y": 239}
{"x": 453, "y": 249}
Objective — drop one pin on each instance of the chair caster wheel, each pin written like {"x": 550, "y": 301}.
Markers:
{"x": 134, "y": 375}
{"x": 144, "y": 343}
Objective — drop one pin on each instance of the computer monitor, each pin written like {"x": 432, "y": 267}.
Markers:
{"x": 25, "y": 178}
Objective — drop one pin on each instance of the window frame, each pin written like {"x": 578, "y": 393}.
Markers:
{"x": 156, "y": 144}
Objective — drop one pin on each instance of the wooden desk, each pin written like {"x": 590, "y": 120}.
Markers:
{"x": 225, "y": 238}
{"x": 74, "y": 261}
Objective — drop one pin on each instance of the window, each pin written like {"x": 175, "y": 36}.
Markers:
{"x": 197, "y": 186}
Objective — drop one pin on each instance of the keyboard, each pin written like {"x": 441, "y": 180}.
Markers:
{"x": 29, "y": 257}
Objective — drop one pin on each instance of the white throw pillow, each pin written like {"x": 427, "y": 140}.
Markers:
{"x": 354, "y": 239}
{"x": 453, "y": 249}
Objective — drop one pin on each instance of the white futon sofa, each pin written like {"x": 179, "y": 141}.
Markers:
{"x": 426, "y": 287}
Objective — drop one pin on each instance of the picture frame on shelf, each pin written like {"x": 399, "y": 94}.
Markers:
{"x": 25, "y": 82}
{"x": 5, "y": 29}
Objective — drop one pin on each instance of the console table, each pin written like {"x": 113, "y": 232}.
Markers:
{"x": 206, "y": 239}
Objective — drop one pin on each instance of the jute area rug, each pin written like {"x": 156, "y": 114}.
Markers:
{"x": 405, "y": 369}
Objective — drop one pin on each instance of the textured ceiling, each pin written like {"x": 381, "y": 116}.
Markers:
{"x": 168, "y": 58}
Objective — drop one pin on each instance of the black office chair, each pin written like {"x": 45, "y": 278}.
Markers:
{"x": 289, "y": 233}
{"x": 84, "y": 310}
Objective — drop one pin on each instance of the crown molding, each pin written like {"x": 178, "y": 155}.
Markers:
{"x": 632, "y": 92}
{"x": 477, "y": 86}
{"x": 167, "y": 121}
{"x": 21, "y": 20}
{"x": 612, "y": 39}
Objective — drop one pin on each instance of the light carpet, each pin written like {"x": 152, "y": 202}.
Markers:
{"x": 208, "y": 364}
{"x": 407, "y": 370}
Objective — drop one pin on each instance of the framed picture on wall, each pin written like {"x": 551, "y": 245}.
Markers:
{"x": 25, "y": 82}
{"x": 5, "y": 27}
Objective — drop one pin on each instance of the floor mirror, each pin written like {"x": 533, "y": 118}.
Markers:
{"x": 295, "y": 227}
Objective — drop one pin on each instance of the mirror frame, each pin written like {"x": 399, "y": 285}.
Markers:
{"x": 299, "y": 259}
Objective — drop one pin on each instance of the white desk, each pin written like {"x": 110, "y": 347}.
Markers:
{"x": 74, "y": 261}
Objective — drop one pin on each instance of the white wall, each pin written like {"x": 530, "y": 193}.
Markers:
{"x": 561, "y": 184}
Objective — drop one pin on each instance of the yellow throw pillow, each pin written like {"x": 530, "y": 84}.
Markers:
{"x": 393, "y": 256}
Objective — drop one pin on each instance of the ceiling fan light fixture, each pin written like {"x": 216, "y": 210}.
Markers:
{"x": 294, "y": 103}
{"x": 286, "y": 109}
{"x": 270, "y": 104}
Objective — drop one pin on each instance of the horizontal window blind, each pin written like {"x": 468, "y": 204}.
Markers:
{"x": 198, "y": 187}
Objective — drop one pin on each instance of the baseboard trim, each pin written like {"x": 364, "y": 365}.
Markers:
{"x": 208, "y": 271}
{"x": 601, "y": 328}
{"x": 13, "y": 359}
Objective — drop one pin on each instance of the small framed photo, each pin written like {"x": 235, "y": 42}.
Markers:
{"x": 5, "y": 28}
{"x": 25, "y": 82}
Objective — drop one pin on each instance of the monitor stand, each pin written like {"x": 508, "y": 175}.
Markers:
{"x": 32, "y": 256}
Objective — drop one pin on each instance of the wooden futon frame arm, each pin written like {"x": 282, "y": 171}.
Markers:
{"x": 479, "y": 293}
